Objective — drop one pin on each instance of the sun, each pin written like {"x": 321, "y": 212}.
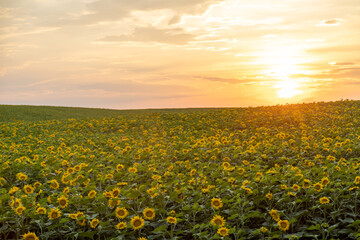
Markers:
{"x": 287, "y": 88}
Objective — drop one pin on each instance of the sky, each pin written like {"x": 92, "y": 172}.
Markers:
{"x": 135, "y": 54}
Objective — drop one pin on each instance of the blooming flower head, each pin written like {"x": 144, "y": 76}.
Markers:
{"x": 137, "y": 222}
{"x": 283, "y": 225}
{"x": 269, "y": 196}
{"x": 54, "y": 213}
{"x": 121, "y": 212}
{"x": 41, "y": 210}
{"x": 171, "y": 220}
{"x": 149, "y": 213}
{"x": 216, "y": 203}
{"x": 30, "y": 236}
{"x": 223, "y": 231}
{"x": 218, "y": 221}
{"x": 94, "y": 223}
{"x": 274, "y": 214}
{"x": 324, "y": 200}
{"x": 121, "y": 225}
{"x": 63, "y": 201}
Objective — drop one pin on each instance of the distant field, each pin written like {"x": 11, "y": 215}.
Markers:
{"x": 9, "y": 113}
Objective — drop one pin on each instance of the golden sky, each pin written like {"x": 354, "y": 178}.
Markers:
{"x": 178, "y": 53}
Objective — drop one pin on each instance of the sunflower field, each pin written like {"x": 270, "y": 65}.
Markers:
{"x": 279, "y": 172}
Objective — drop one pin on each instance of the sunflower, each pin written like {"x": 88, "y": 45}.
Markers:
{"x": 113, "y": 203}
{"x": 357, "y": 180}
{"x": 325, "y": 181}
{"x": 142, "y": 238}
{"x": 13, "y": 190}
{"x": 121, "y": 213}
{"x": 171, "y": 220}
{"x": 317, "y": 187}
{"x": 54, "y": 213}
{"x": 306, "y": 183}
{"x": 63, "y": 201}
{"x": 28, "y": 189}
{"x": 217, "y": 220}
{"x": 132, "y": 169}
{"x": 296, "y": 187}
{"x": 283, "y": 187}
{"x": 324, "y": 200}
{"x": 149, "y": 213}
{"x": 54, "y": 184}
{"x": 41, "y": 210}
{"x": 121, "y": 225}
{"x": 273, "y": 213}
{"x": 264, "y": 229}
{"x": 283, "y": 225}
{"x": 115, "y": 192}
{"x": 223, "y": 231}
{"x": 30, "y": 236}
{"x": 94, "y": 223}
{"x": 137, "y": 222}
{"x": 119, "y": 167}
{"x": 19, "y": 210}
{"x": 21, "y": 176}
{"x": 216, "y": 203}
{"x": 269, "y": 196}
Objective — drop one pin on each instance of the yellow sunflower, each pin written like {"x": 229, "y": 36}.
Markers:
{"x": 115, "y": 192}
{"x": 325, "y": 181}
{"x": 137, "y": 222}
{"x": 28, "y": 189}
{"x": 149, "y": 213}
{"x": 317, "y": 187}
{"x": 223, "y": 231}
{"x": 30, "y": 236}
{"x": 283, "y": 225}
{"x": 171, "y": 220}
{"x": 217, "y": 220}
{"x": 296, "y": 187}
{"x": 216, "y": 203}
{"x": 273, "y": 213}
{"x": 41, "y": 210}
{"x": 54, "y": 184}
{"x": 94, "y": 223}
{"x": 63, "y": 201}
{"x": 19, "y": 210}
{"x": 121, "y": 225}
{"x": 357, "y": 180}
{"x": 54, "y": 213}
{"x": 269, "y": 196}
{"x": 324, "y": 200}
{"x": 121, "y": 213}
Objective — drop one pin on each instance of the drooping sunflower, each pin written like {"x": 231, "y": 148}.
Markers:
{"x": 54, "y": 213}
{"x": 216, "y": 203}
{"x": 283, "y": 225}
{"x": 324, "y": 200}
{"x": 121, "y": 212}
{"x": 121, "y": 225}
{"x": 171, "y": 220}
{"x": 41, "y": 210}
{"x": 274, "y": 214}
{"x": 54, "y": 184}
{"x": 28, "y": 189}
{"x": 218, "y": 221}
{"x": 223, "y": 231}
{"x": 137, "y": 222}
{"x": 30, "y": 236}
{"x": 149, "y": 213}
{"x": 94, "y": 223}
{"x": 63, "y": 201}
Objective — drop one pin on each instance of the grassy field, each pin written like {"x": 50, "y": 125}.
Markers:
{"x": 10, "y": 113}
{"x": 278, "y": 172}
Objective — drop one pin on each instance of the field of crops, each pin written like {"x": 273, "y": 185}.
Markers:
{"x": 281, "y": 172}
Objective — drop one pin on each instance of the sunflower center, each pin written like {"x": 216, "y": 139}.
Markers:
{"x": 137, "y": 223}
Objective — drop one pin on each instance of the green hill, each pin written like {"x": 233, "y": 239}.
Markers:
{"x": 10, "y": 113}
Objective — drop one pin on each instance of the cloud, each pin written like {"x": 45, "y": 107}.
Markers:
{"x": 152, "y": 34}
{"x": 228, "y": 80}
{"x": 332, "y": 22}
{"x": 340, "y": 48}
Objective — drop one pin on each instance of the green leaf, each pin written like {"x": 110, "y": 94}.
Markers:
{"x": 160, "y": 229}
{"x": 314, "y": 227}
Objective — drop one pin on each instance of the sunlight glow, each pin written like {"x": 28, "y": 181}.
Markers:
{"x": 287, "y": 89}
